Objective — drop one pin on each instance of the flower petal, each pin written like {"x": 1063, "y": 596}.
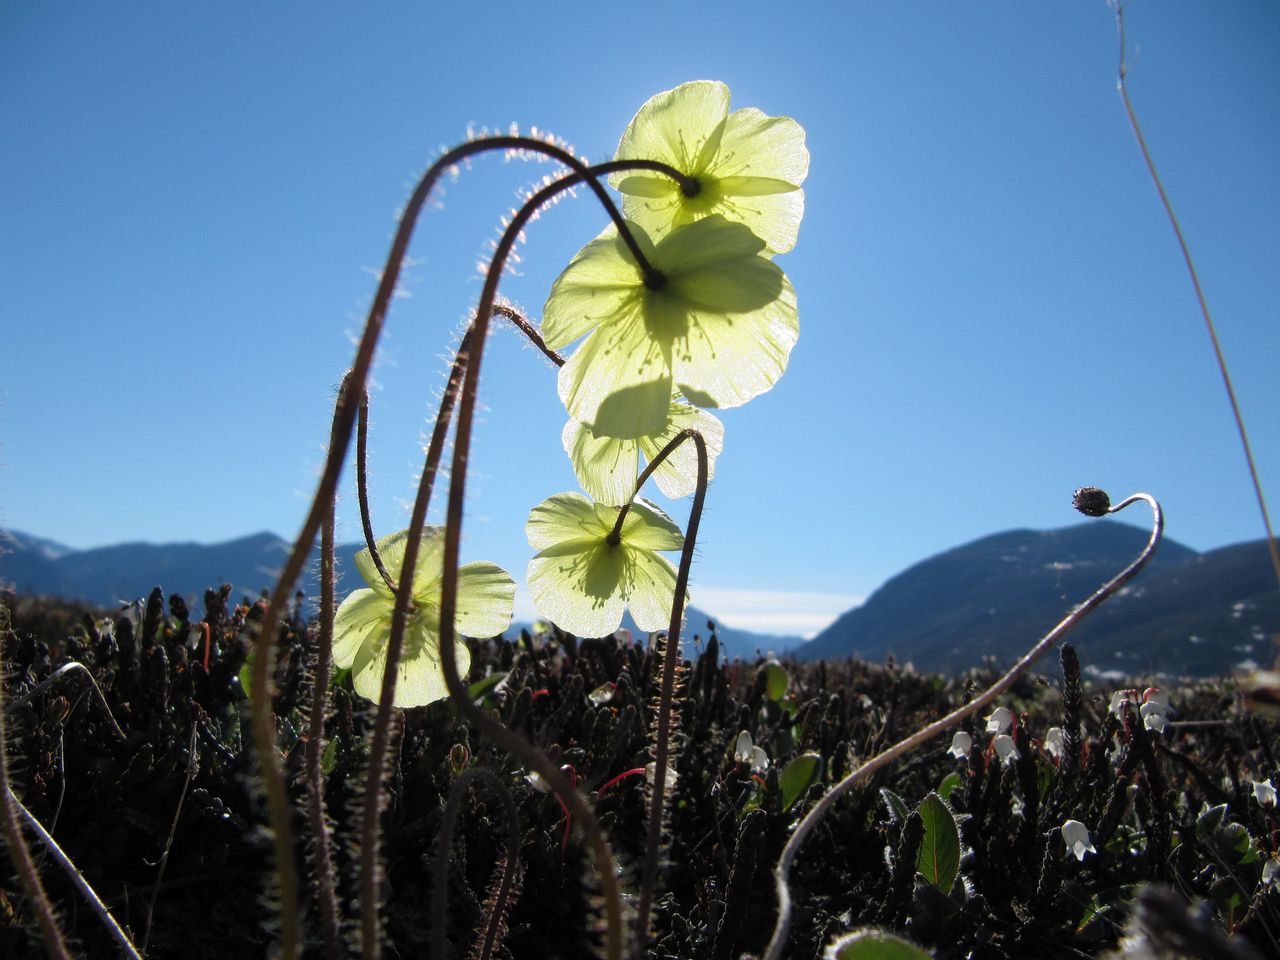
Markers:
{"x": 562, "y": 519}
{"x": 730, "y": 358}
{"x": 649, "y": 586}
{"x": 606, "y": 467}
{"x": 619, "y": 380}
{"x": 486, "y": 597}
{"x": 426, "y": 570}
{"x": 602, "y": 282}
{"x": 645, "y": 527}
{"x": 677, "y": 476}
{"x": 578, "y": 586}
{"x": 363, "y": 619}
{"x": 419, "y": 677}
{"x": 680, "y": 127}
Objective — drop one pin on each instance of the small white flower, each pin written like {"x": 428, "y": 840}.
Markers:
{"x": 1265, "y": 793}
{"x": 651, "y": 775}
{"x": 1005, "y": 748}
{"x": 1154, "y": 709}
{"x": 1076, "y": 836}
{"x": 961, "y": 744}
{"x": 999, "y": 720}
{"x": 748, "y": 754}
{"x": 1055, "y": 742}
{"x": 1120, "y": 699}
{"x": 1271, "y": 872}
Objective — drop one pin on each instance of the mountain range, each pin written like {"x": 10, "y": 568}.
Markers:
{"x": 1187, "y": 613}
{"x": 107, "y": 576}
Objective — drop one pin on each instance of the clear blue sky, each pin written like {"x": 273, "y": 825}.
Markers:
{"x": 195, "y": 200}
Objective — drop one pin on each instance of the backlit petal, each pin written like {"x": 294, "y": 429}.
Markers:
{"x": 486, "y": 596}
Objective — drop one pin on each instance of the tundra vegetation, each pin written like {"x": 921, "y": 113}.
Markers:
{"x": 394, "y": 775}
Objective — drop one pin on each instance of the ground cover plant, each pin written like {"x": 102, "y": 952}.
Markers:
{"x": 355, "y": 775}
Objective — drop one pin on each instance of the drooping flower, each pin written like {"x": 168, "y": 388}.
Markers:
{"x": 1265, "y": 793}
{"x": 1055, "y": 742}
{"x": 607, "y": 467}
{"x": 1155, "y": 709}
{"x": 961, "y": 744}
{"x": 1076, "y": 836}
{"x": 362, "y": 626}
{"x": 750, "y": 754}
{"x": 717, "y": 328}
{"x": 999, "y": 720}
{"x": 748, "y": 166}
{"x": 1005, "y": 748}
{"x": 582, "y": 582}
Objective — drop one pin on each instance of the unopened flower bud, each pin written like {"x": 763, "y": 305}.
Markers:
{"x": 1091, "y": 501}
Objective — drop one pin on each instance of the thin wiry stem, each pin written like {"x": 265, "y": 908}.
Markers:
{"x": 193, "y": 764}
{"x": 444, "y": 838}
{"x": 61, "y": 672}
{"x": 508, "y": 740}
{"x": 263, "y": 721}
{"x": 782, "y": 927}
{"x": 77, "y": 878}
{"x": 1272, "y": 546}
{"x": 19, "y": 854}
{"x": 466, "y": 375}
{"x": 665, "y": 723}
{"x": 362, "y": 489}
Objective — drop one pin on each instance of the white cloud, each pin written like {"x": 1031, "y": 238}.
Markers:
{"x": 773, "y": 611}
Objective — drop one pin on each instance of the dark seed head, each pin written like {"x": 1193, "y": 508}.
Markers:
{"x": 1091, "y": 501}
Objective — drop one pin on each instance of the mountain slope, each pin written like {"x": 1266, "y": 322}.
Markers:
{"x": 1185, "y": 613}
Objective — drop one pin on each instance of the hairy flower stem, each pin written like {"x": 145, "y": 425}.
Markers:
{"x": 444, "y": 838}
{"x": 783, "y": 869}
{"x": 19, "y": 854}
{"x": 263, "y": 720}
{"x": 665, "y": 721}
{"x": 466, "y": 371}
{"x": 1272, "y": 545}
{"x": 323, "y": 861}
{"x": 362, "y": 489}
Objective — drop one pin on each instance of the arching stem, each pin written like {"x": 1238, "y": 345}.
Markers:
{"x": 263, "y": 721}
{"x": 781, "y": 873}
{"x": 466, "y": 372}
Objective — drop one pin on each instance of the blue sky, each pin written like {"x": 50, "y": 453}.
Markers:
{"x": 196, "y": 201}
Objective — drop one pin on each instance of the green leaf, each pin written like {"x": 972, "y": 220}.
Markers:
{"x": 798, "y": 776}
{"x": 482, "y": 688}
{"x": 939, "y": 856}
{"x": 897, "y": 807}
{"x": 329, "y": 759}
{"x": 872, "y": 944}
{"x": 948, "y": 785}
{"x": 776, "y": 680}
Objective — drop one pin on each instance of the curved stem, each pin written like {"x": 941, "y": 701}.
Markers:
{"x": 782, "y": 928}
{"x": 19, "y": 853}
{"x": 465, "y": 376}
{"x": 1272, "y": 546}
{"x": 440, "y": 881}
{"x": 264, "y": 734}
{"x": 665, "y": 723}
{"x": 362, "y": 489}
{"x": 508, "y": 740}
{"x": 63, "y": 671}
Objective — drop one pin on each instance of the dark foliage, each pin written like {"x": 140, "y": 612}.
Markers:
{"x": 1175, "y": 809}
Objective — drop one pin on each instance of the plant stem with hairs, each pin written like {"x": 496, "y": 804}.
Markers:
{"x": 1090, "y": 501}
{"x": 466, "y": 372}
{"x": 490, "y": 934}
{"x": 263, "y": 723}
